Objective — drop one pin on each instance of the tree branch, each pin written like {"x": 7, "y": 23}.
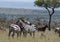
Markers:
{"x": 52, "y": 11}
{"x": 48, "y": 10}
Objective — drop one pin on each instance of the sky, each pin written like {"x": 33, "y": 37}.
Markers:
{"x": 28, "y": 4}
{"x": 18, "y": 0}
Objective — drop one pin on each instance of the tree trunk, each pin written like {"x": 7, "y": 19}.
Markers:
{"x": 50, "y": 15}
{"x": 50, "y": 21}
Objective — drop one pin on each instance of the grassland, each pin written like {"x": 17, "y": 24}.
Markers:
{"x": 50, "y": 36}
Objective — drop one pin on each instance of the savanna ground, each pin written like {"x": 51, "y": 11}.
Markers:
{"x": 50, "y": 36}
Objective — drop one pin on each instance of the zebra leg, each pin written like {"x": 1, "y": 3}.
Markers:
{"x": 25, "y": 34}
{"x": 33, "y": 34}
{"x": 13, "y": 34}
{"x": 10, "y": 30}
{"x": 30, "y": 34}
{"x": 17, "y": 34}
{"x": 20, "y": 33}
{"x": 59, "y": 33}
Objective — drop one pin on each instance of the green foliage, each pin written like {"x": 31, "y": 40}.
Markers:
{"x": 48, "y": 3}
{"x": 39, "y": 3}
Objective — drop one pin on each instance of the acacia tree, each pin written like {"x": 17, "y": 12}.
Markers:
{"x": 48, "y": 5}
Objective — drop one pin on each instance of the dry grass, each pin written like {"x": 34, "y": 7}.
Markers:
{"x": 50, "y": 36}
